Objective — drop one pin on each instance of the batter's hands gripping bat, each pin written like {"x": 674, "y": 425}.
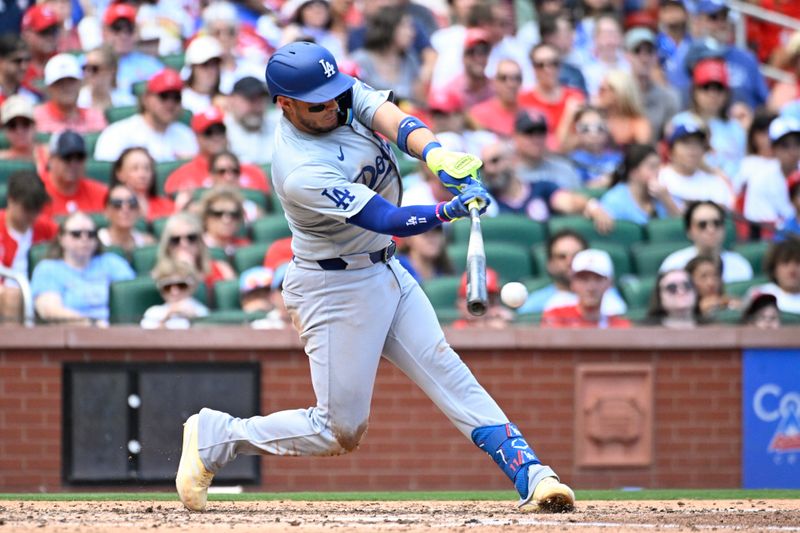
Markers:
{"x": 477, "y": 298}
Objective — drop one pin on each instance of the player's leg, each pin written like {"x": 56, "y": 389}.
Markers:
{"x": 416, "y": 344}
{"x": 343, "y": 319}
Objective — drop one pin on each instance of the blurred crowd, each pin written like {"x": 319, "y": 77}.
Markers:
{"x": 136, "y": 139}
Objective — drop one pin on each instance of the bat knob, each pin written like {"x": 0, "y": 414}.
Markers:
{"x": 477, "y": 308}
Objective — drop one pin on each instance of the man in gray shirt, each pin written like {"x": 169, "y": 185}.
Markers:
{"x": 250, "y": 124}
{"x": 534, "y": 162}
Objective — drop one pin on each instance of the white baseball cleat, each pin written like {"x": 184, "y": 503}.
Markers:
{"x": 550, "y": 496}
{"x": 192, "y": 480}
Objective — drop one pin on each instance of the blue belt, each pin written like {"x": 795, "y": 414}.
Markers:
{"x": 337, "y": 263}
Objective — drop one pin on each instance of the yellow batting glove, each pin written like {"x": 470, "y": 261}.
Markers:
{"x": 456, "y": 170}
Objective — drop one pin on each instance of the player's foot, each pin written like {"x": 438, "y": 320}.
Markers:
{"x": 550, "y": 496}
{"x": 193, "y": 479}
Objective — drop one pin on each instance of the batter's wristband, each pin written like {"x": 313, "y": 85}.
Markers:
{"x": 428, "y": 147}
{"x": 404, "y": 129}
{"x": 440, "y": 206}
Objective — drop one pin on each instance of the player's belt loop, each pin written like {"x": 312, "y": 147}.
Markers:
{"x": 383, "y": 256}
{"x": 359, "y": 261}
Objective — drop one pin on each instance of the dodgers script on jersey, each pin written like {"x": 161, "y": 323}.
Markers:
{"x": 322, "y": 180}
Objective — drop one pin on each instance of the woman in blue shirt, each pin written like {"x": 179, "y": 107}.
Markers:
{"x": 72, "y": 286}
{"x": 636, "y": 194}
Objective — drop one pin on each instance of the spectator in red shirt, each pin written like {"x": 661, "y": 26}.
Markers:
{"x": 497, "y": 114}
{"x": 16, "y": 117}
{"x": 14, "y": 60}
{"x": 209, "y": 127}
{"x": 63, "y": 76}
{"x": 20, "y": 228}
{"x": 473, "y": 85}
{"x": 592, "y": 276}
{"x": 41, "y": 29}
{"x": 549, "y": 96}
{"x": 66, "y": 181}
{"x": 496, "y": 316}
{"x": 136, "y": 169}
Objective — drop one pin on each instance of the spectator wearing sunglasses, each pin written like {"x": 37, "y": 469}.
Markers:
{"x": 673, "y": 302}
{"x": 704, "y": 222}
{"x": 119, "y": 31}
{"x": 19, "y": 126}
{"x": 100, "y": 89}
{"x": 71, "y": 286}
{"x": 177, "y": 282}
{"x": 67, "y": 184}
{"x": 41, "y": 29}
{"x": 182, "y": 240}
{"x": 212, "y": 138}
{"x": 137, "y": 170}
{"x": 593, "y": 155}
{"x": 62, "y": 76}
{"x": 15, "y": 56}
{"x": 155, "y": 128}
{"x": 533, "y": 160}
{"x": 226, "y": 171}
{"x": 660, "y": 101}
{"x": 123, "y": 212}
{"x": 497, "y": 114}
{"x": 223, "y": 219}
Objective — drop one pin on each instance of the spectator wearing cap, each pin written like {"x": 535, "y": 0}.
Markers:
{"x": 156, "y": 127}
{"x": 388, "y": 59}
{"x": 782, "y": 266}
{"x": 607, "y": 53}
{"x": 556, "y": 101}
{"x": 711, "y": 102}
{"x": 66, "y": 182}
{"x": 766, "y": 199}
{"x": 496, "y": 317}
{"x": 592, "y": 274}
{"x": 119, "y": 31}
{"x": 684, "y": 176}
{"x": 673, "y": 40}
{"x": 211, "y": 133}
{"x": 791, "y": 228}
{"x": 497, "y": 114}
{"x": 177, "y": 282}
{"x": 41, "y": 29}
{"x": 203, "y": 64}
{"x": 19, "y": 126}
{"x": 260, "y": 292}
{"x": 472, "y": 84}
{"x": 704, "y": 223}
{"x": 533, "y": 161}
{"x": 251, "y": 121}
{"x": 15, "y": 56}
{"x": 21, "y": 226}
{"x": 558, "y": 31}
{"x": 447, "y": 111}
{"x": 784, "y": 92}
{"x": 762, "y": 311}
{"x": 63, "y": 76}
{"x": 660, "y": 102}
{"x": 537, "y": 200}
{"x": 100, "y": 89}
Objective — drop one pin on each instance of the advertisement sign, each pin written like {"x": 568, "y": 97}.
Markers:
{"x": 771, "y": 425}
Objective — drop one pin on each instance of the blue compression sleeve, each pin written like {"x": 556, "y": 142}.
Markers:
{"x": 380, "y": 216}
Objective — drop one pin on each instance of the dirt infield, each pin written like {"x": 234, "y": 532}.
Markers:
{"x": 274, "y": 516}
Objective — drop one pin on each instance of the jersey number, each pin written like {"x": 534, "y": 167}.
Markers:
{"x": 340, "y": 197}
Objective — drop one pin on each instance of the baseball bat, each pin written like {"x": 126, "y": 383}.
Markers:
{"x": 477, "y": 298}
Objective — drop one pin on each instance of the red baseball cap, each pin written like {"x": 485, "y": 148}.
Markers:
{"x": 710, "y": 71}
{"x": 475, "y": 36}
{"x": 164, "y": 81}
{"x": 209, "y": 117}
{"x": 119, "y": 11}
{"x": 445, "y": 101}
{"x": 278, "y": 253}
{"x": 492, "y": 284}
{"x": 39, "y": 17}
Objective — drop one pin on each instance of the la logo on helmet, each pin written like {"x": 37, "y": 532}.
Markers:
{"x": 327, "y": 68}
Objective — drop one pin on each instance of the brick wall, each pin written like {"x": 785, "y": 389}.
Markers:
{"x": 410, "y": 444}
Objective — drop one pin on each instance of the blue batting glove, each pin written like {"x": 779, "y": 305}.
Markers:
{"x": 459, "y": 206}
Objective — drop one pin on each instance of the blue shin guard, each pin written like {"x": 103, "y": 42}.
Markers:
{"x": 509, "y": 449}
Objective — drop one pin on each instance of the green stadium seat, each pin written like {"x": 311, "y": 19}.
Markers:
{"x": 274, "y": 205}
{"x": 666, "y": 230}
{"x": 624, "y": 232}
{"x": 163, "y": 170}
{"x": 636, "y": 290}
{"x": 128, "y": 300}
{"x": 91, "y": 142}
{"x": 173, "y": 61}
{"x": 539, "y": 256}
{"x": 226, "y": 295}
{"x": 529, "y": 319}
{"x": 648, "y": 256}
{"x": 512, "y": 263}
{"x": 619, "y": 256}
{"x": 42, "y": 137}
{"x": 447, "y": 316}
{"x": 515, "y": 229}
{"x": 115, "y": 114}
{"x": 218, "y": 254}
{"x": 9, "y": 166}
{"x": 185, "y": 117}
{"x": 442, "y": 291}
{"x": 36, "y": 253}
{"x": 592, "y": 192}
{"x": 143, "y": 259}
{"x": 754, "y": 252}
{"x": 534, "y": 284}
{"x": 636, "y": 315}
{"x": 250, "y": 256}
{"x": 228, "y": 317}
{"x": 790, "y": 319}
{"x": 738, "y": 289}
{"x": 405, "y": 163}
{"x": 99, "y": 170}
{"x": 270, "y": 228}
{"x": 728, "y": 316}
{"x": 139, "y": 88}
{"x": 4, "y": 143}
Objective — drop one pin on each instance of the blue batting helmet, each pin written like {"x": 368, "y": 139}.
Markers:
{"x": 307, "y": 72}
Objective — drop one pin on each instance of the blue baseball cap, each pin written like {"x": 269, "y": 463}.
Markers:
{"x": 709, "y": 7}
{"x": 254, "y": 278}
{"x": 687, "y": 128}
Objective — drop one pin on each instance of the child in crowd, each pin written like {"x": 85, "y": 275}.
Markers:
{"x": 177, "y": 282}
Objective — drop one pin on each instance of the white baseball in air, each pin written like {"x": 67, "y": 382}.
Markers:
{"x": 513, "y": 294}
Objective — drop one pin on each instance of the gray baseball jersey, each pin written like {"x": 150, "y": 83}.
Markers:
{"x": 321, "y": 180}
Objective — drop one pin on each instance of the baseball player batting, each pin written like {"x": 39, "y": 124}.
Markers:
{"x": 349, "y": 297}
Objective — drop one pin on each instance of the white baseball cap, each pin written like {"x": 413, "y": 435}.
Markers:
{"x": 782, "y": 126}
{"x": 593, "y": 260}
{"x": 62, "y": 66}
{"x": 202, "y": 49}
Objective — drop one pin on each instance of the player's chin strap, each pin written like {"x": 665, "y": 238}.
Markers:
{"x": 509, "y": 449}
